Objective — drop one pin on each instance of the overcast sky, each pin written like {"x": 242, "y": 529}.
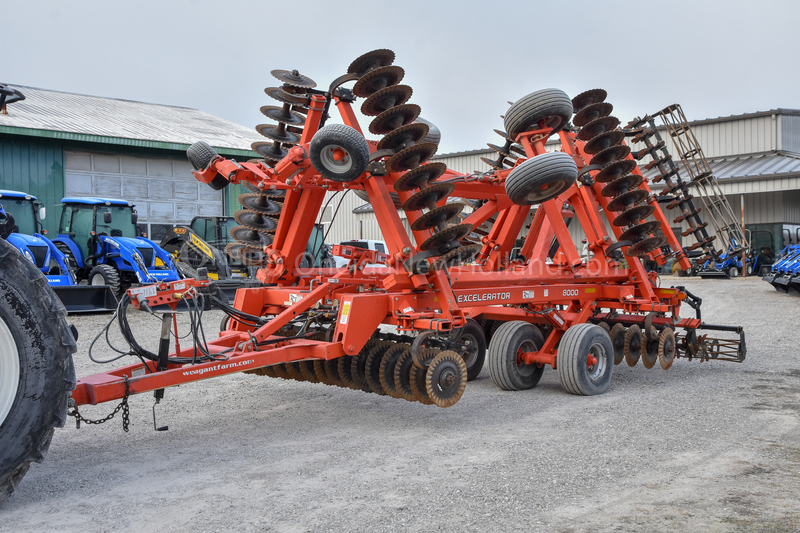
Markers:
{"x": 463, "y": 60}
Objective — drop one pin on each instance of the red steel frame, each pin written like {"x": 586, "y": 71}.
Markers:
{"x": 558, "y": 295}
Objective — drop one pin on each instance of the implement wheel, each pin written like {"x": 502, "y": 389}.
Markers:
{"x": 585, "y": 360}
{"x": 339, "y": 153}
{"x": 541, "y": 178}
{"x": 473, "y": 336}
{"x": 509, "y": 342}
{"x": 552, "y": 107}
{"x": 36, "y": 372}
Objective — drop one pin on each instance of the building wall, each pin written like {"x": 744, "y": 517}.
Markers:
{"x": 164, "y": 190}
{"x": 36, "y": 168}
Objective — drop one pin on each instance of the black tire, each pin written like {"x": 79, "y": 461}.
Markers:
{"x": 472, "y": 333}
{"x": 733, "y": 272}
{"x": 504, "y": 369}
{"x": 185, "y": 270}
{"x": 106, "y": 275}
{"x": 574, "y": 372}
{"x": 200, "y": 155}
{"x": 323, "y": 150}
{"x": 550, "y": 105}
{"x": 434, "y": 134}
{"x": 36, "y": 345}
{"x": 541, "y": 178}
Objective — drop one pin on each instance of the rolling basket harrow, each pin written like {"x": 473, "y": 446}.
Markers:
{"x": 420, "y": 325}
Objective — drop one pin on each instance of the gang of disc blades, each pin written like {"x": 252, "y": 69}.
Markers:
{"x": 255, "y": 220}
{"x": 394, "y": 118}
{"x": 592, "y": 112}
{"x": 385, "y": 99}
{"x": 610, "y": 154}
{"x": 597, "y": 126}
{"x": 294, "y": 78}
{"x": 375, "y": 80}
{"x": 420, "y": 177}
{"x": 437, "y": 216}
{"x": 273, "y": 132}
{"x": 645, "y": 246}
{"x": 250, "y": 237}
{"x": 592, "y": 96}
{"x": 615, "y": 170}
{"x": 259, "y": 202}
{"x": 464, "y": 254}
{"x": 621, "y": 185}
{"x": 269, "y": 150}
{"x": 428, "y": 197}
{"x": 411, "y": 157}
{"x": 634, "y": 215}
{"x": 635, "y": 233}
{"x": 410, "y": 133}
{"x": 284, "y": 97}
{"x": 370, "y": 61}
{"x": 281, "y": 114}
{"x": 627, "y": 200}
{"x": 603, "y": 141}
{"x": 446, "y": 236}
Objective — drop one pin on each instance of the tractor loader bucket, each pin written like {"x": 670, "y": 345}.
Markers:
{"x": 711, "y": 274}
{"x": 87, "y": 298}
{"x": 781, "y": 283}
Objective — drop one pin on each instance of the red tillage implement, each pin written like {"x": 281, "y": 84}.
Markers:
{"x": 462, "y": 290}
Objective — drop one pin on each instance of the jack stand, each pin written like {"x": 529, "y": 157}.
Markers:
{"x": 163, "y": 353}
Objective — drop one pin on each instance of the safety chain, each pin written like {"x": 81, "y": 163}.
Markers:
{"x": 123, "y": 405}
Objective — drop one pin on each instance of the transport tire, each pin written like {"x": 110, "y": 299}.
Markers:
{"x": 505, "y": 369}
{"x": 106, "y": 275}
{"x": 434, "y": 134}
{"x": 552, "y": 106}
{"x": 541, "y": 178}
{"x": 200, "y": 155}
{"x": 473, "y": 335}
{"x": 36, "y": 372}
{"x": 339, "y": 153}
{"x": 577, "y": 374}
{"x": 733, "y": 272}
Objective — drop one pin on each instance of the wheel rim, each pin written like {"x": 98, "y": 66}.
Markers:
{"x": 472, "y": 353}
{"x": 523, "y": 369}
{"x": 98, "y": 279}
{"x": 546, "y": 191}
{"x": 596, "y": 369}
{"x": 9, "y": 371}
{"x": 336, "y": 159}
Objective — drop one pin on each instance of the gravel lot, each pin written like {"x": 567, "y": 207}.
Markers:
{"x": 711, "y": 446}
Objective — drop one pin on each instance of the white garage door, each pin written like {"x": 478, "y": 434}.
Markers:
{"x": 164, "y": 190}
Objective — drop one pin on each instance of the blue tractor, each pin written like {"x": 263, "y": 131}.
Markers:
{"x": 99, "y": 238}
{"x": 729, "y": 265}
{"x": 22, "y": 216}
{"x": 785, "y": 273}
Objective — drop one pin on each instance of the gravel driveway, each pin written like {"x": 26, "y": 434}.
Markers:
{"x": 704, "y": 446}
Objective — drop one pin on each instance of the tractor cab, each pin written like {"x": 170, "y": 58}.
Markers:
{"x": 100, "y": 238}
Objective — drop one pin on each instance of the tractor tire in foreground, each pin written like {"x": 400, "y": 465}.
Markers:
{"x": 36, "y": 372}
{"x": 585, "y": 360}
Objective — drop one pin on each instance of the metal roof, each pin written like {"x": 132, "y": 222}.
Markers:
{"x": 54, "y": 114}
{"x": 747, "y": 166}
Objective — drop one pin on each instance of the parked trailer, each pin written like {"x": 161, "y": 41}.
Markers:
{"x": 421, "y": 326}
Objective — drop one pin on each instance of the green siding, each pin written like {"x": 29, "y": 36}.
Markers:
{"x": 36, "y": 168}
{"x": 232, "y": 193}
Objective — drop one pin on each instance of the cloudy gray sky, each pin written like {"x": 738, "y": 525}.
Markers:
{"x": 464, "y": 60}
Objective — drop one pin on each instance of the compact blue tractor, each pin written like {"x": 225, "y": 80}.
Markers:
{"x": 99, "y": 238}
{"x": 21, "y": 217}
{"x": 785, "y": 273}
